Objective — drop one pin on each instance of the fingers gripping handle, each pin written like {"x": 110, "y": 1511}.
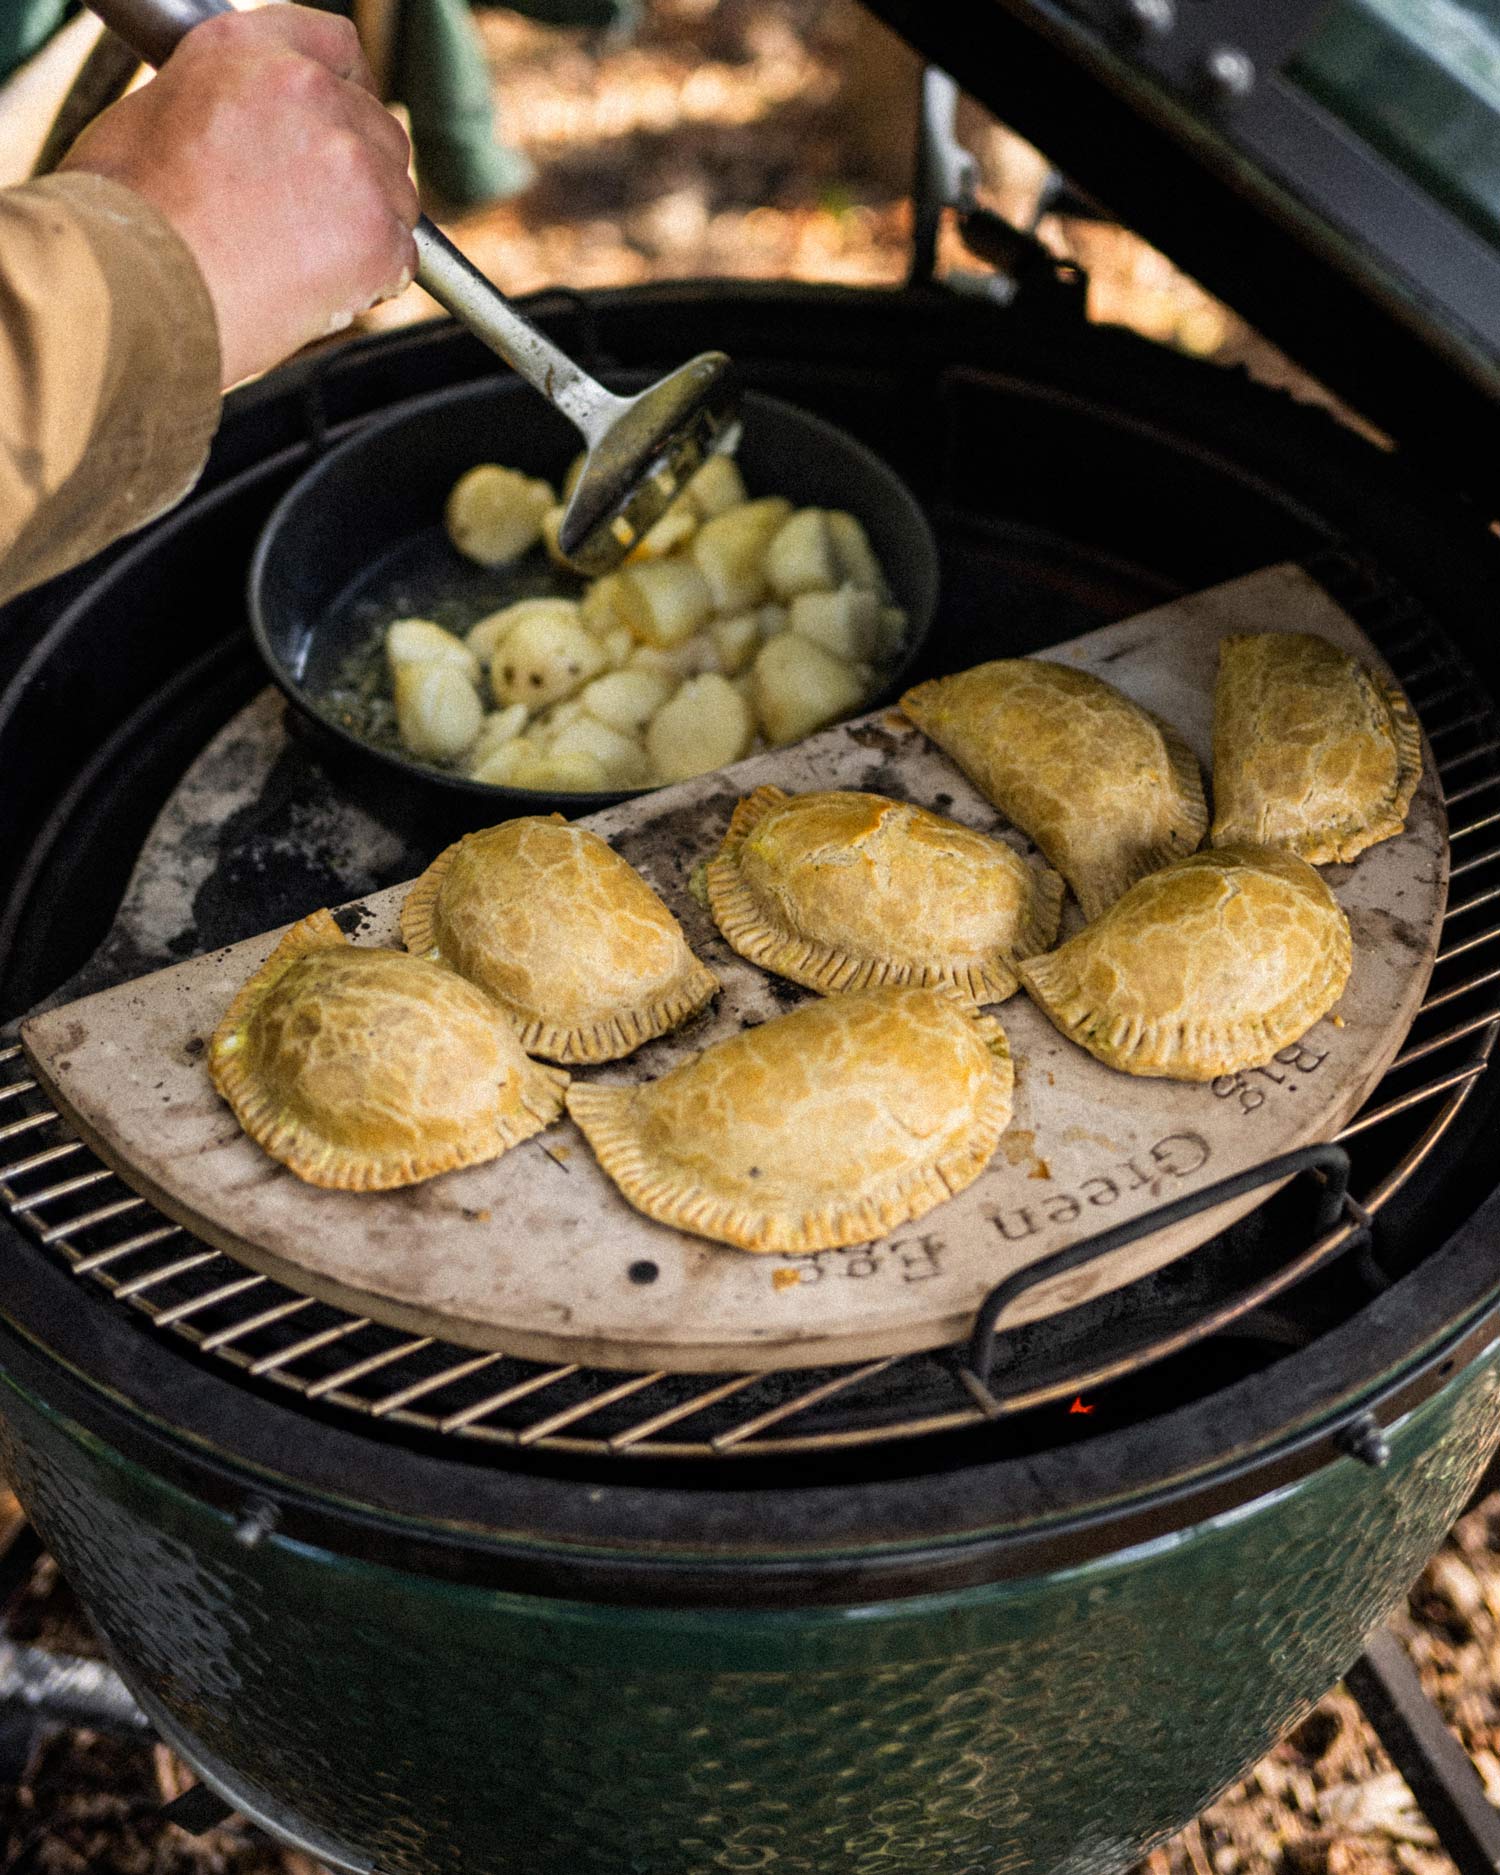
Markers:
{"x": 153, "y": 28}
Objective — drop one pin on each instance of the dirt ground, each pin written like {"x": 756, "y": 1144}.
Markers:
{"x": 766, "y": 139}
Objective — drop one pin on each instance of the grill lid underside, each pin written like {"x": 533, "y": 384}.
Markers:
{"x": 1329, "y": 168}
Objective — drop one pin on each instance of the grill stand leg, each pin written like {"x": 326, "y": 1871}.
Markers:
{"x": 1434, "y": 1764}
{"x": 247, "y": 1800}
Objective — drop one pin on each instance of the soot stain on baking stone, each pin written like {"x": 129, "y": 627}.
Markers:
{"x": 297, "y": 845}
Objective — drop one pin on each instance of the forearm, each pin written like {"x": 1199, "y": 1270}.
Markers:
{"x": 109, "y": 372}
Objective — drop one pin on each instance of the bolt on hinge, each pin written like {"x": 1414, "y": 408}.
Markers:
{"x": 256, "y": 1522}
{"x": 1229, "y": 74}
{"x": 1364, "y": 1439}
{"x": 1156, "y": 17}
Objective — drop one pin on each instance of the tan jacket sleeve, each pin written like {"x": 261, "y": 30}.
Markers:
{"x": 109, "y": 372}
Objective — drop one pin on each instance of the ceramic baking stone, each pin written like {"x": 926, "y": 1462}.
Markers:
{"x": 539, "y": 1256}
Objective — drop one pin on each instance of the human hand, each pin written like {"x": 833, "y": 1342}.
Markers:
{"x": 261, "y": 142}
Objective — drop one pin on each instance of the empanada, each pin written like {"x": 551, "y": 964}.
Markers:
{"x": 828, "y": 1126}
{"x": 1311, "y": 751}
{"x": 1104, "y": 789}
{"x": 365, "y": 1069}
{"x": 1205, "y": 967}
{"x": 847, "y": 891}
{"x": 569, "y": 939}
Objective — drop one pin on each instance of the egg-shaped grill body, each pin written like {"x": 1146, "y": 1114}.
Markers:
{"x": 1041, "y": 1644}
{"x": 1062, "y": 1721}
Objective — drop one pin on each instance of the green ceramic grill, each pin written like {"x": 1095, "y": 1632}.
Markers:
{"x": 1026, "y": 1603}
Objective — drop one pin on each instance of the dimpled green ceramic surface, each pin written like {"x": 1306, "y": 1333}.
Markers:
{"x": 1061, "y": 1723}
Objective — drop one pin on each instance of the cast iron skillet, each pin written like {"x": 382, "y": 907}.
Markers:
{"x": 358, "y": 541}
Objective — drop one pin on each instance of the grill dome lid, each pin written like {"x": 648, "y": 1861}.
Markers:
{"x": 1329, "y": 168}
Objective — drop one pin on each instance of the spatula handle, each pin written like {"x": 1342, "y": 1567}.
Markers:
{"x": 153, "y": 28}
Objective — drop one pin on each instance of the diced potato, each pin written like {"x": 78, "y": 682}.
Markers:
{"x": 892, "y": 633}
{"x": 846, "y": 622}
{"x": 622, "y": 757}
{"x": 575, "y": 772}
{"x": 627, "y": 700}
{"x": 856, "y": 558}
{"x": 602, "y": 608}
{"x": 664, "y": 601}
{"x": 493, "y": 514}
{"x": 547, "y": 727}
{"x": 717, "y": 485}
{"x": 697, "y": 654}
{"x": 551, "y": 530}
{"x": 648, "y": 658}
{"x": 771, "y": 619}
{"x": 730, "y": 552}
{"x": 618, "y": 646}
{"x": 419, "y": 641}
{"x": 521, "y": 764}
{"x": 800, "y": 687}
{"x": 800, "y": 558}
{"x": 736, "y": 640}
{"x": 498, "y": 728}
{"x": 675, "y": 529}
{"x": 483, "y": 637}
{"x": 502, "y": 767}
{"x": 707, "y": 724}
{"x": 438, "y": 712}
{"x": 544, "y": 658}
{"x": 493, "y": 630}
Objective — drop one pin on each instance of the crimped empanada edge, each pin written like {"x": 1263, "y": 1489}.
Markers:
{"x": 612, "y": 1037}
{"x": 342, "y": 1168}
{"x": 1192, "y": 822}
{"x": 750, "y": 811}
{"x": 318, "y": 931}
{"x": 1186, "y": 821}
{"x": 607, "y": 1038}
{"x": 1161, "y": 1049}
{"x": 419, "y": 908}
{"x": 746, "y": 927}
{"x": 1048, "y": 892}
{"x": 1343, "y": 842}
{"x": 608, "y": 1118}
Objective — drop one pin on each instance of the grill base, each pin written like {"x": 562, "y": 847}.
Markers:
{"x": 1059, "y": 1723}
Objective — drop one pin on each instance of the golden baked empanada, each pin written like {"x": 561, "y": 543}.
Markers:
{"x": 847, "y": 891}
{"x": 366, "y": 1069}
{"x": 1311, "y": 751}
{"x": 1104, "y": 789}
{"x": 1205, "y": 967}
{"x": 568, "y": 938}
{"x": 828, "y": 1126}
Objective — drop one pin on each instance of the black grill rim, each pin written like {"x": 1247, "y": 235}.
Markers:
{"x": 631, "y": 1540}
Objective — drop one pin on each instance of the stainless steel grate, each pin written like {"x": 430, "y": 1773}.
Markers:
{"x": 53, "y": 1186}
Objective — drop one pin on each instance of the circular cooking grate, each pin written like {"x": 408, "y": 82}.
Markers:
{"x": 263, "y": 1331}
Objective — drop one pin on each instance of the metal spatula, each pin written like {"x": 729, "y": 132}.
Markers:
{"x": 640, "y": 449}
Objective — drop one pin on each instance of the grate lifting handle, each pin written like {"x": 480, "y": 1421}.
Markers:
{"x": 1331, "y": 1161}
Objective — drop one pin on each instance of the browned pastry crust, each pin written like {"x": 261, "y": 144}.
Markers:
{"x": 845, "y": 891}
{"x": 1107, "y": 791}
{"x": 362, "y": 1070}
{"x": 564, "y": 934}
{"x": 1311, "y": 751}
{"x": 1205, "y": 967}
{"x": 828, "y": 1126}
